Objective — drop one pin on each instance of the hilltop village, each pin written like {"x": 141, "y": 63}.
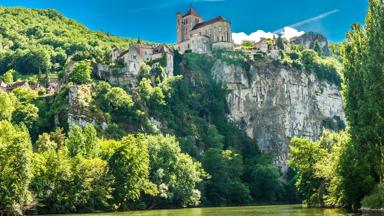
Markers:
{"x": 193, "y": 34}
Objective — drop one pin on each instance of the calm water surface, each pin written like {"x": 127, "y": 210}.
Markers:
{"x": 278, "y": 210}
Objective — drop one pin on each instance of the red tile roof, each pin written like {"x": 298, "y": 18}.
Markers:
{"x": 214, "y": 20}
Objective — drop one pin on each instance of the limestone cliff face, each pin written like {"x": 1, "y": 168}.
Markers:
{"x": 275, "y": 103}
{"x": 80, "y": 110}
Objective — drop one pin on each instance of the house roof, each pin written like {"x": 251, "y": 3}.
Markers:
{"x": 3, "y": 84}
{"x": 209, "y": 22}
{"x": 123, "y": 53}
{"x": 17, "y": 84}
{"x": 191, "y": 11}
{"x": 163, "y": 48}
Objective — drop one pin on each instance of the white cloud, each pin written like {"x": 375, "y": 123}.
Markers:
{"x": 238, "y": 38}
{"x": 287, "y": 33}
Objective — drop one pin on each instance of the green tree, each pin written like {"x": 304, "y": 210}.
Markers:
{"x": 81, "y": 72}
{"x": 175, "y": 174}
{"x": 225, "y": 186}
{"x": 304, "y": 155}
{"x": 15, "y": 168}
{"x": 265, "y": 183}
{"x": 25, "y": 95}
{"x": 129, "y": 166}
{"x": 7, "y": 105}
{"x": 8, "y": 76}
{"x": 33, "y": 60}
{"x": 45, "y": 143}
{"x": 82, "y": 141}
{"x": 364, "y": 75}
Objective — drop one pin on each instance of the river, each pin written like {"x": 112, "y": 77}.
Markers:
{"x": 271, "y": 210}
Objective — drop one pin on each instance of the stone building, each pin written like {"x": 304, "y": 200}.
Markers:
{"x": 199, "y": 36}
{"x": 143, "y": 53}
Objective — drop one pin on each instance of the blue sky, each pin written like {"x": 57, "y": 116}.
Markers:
{"x": 154, "y": 20}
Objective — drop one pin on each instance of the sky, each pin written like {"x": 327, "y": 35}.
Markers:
{"x": 154, "y": 20}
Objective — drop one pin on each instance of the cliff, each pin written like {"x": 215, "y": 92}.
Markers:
{"x": 275, "y": 103}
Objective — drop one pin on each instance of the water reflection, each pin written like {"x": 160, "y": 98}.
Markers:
{"x": 272, "y": 210}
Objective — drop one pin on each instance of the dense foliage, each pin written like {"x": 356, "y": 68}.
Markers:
{"x": 347, "y": 170}
{"x": 37, "y": 41}
{"x": 164, "y": 143}
{"x": 364, "y": 76}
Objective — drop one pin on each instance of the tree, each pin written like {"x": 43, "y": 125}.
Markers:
{"x": 225, "y": 186}
{"x": 175, "y": 174}
{"x": 280, "y": 42}
{"x": 81, "y": 72}
{"x": 25, "y": 95}
{"x": 364, "y": 75}
{"x": 52, "y": 182}
{"x": 247, "y": 45}
{"x": 265, "y": 182}
{"x": 27, "y": 114}
{"x": 33, "y": 61}
{"x": 7, "y": 105}
{"x": 214, "y": 138}
{"x": 82, "y": 141}
{"x": 129, "y": 166}
{"x": 15, "y": 168}
{"x": 317, "y": 48}
{"x": 8, "y": 76}
{"x": 304, "y": 155}
{"x": 44, "y": 143}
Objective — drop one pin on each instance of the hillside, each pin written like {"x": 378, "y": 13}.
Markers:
{"x": 195, "y": 138}
{"x": 33, "y": 41}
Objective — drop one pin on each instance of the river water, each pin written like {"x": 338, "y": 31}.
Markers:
{"x": 271, "y": 210}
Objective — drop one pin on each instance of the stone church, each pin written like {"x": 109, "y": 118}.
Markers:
{"x": 199, "y": 36}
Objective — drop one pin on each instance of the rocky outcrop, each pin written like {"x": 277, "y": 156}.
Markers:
{"x": 310, "y": 40}
{"x": 81, "y": 111}
{"x": 275, "y": 103}
{"x": 116, "y": 76}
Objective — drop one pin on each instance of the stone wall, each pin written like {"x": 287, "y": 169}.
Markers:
{"x": 219, "y": 31}
{"x": 197, "y": 44}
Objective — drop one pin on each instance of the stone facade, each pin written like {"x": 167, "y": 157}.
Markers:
{"x": 143, "y": 53}
{"x": 202, "y": 37}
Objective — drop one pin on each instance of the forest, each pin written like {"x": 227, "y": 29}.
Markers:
{"x": 196, "y": 158}
{"x": 345, "y": 169}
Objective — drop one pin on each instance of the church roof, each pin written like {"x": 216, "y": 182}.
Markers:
{"x": 192, "y": 11}
{"x": 214, "y": 20}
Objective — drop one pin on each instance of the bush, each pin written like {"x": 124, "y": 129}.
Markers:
{"x": 374, "y": 200}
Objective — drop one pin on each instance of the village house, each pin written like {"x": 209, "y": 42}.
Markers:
{"x": 135, "y": 54}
